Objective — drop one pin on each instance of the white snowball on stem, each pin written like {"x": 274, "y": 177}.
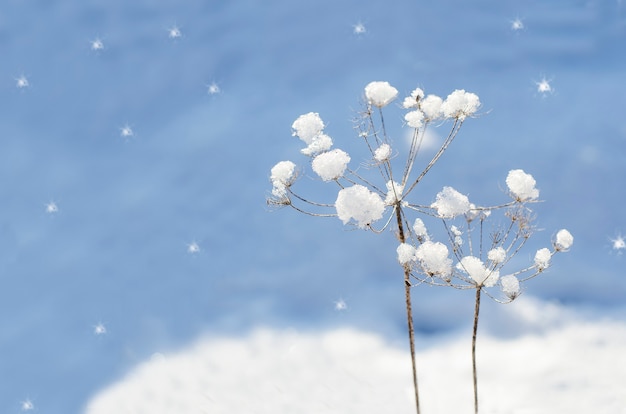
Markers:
{"x": 331, "y": 165}
{"x": 380, "y": 93}
{"x": 359, "y": 203}
{"x": 450, "y": 203}
{"x": 522, "y": 185}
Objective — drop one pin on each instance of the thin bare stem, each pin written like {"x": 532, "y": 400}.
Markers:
{"x": 382, "y": 123}
{"x": 469, "y": 237}
{"x": 455, "y": 129}
{"x": 409, "y": 311}
{"x": 480, "y": 253}
{"x": 386, "y": 224}
{"x": 385, "y": 168}
{"x": 416, "y": 143}
{"x": 499, "y": 206}
{"x": 363, "y": 180}
{"x": 475, "y": 330}
{"x": 313, "y": 203}
{"x": 308, "y": 213}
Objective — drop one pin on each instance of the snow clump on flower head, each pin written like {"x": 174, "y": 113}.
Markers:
{"x": 319, "y": 144}
{"x": 542, "y": 258}
{"x": 412, "y": 101}
{"x": 450, "y": 203}
{"x": 380, "y": 93}
{"x": 360, "y": 204}
{"x": 460, "y": 104}
{"x": 433, "y": 257}
{"x": 415, "y": 119}
{"x": 282, "y": 176}
{"x": 308, "y": 128}
{"x": 475, "y": 268}
{"x": 419, "y": 229}
{"x": 283, "y": 173}
{"x": 406, "y": 253}
{"x": 431, "y": 106}
{"x": 383, "y": 153}
{"x": 522, "y": 185}
{"x": 497, "y": 255}
{"x": 564, "y": 240}
{"x": 510, "y": 286}
{"x": 331, "y": 165}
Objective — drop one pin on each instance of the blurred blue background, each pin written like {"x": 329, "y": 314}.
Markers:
{"x": 99, "y": 228}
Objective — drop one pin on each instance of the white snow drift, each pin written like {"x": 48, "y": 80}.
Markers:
{"x": 556, "y": 363}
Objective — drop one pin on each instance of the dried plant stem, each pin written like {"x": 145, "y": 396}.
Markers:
{"x": 476, "y": 310}
{"x": 409, "y": 311}
{"x": 409, "y": 316}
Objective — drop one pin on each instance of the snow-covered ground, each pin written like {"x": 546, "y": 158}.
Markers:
{"x": 556, "y": 362}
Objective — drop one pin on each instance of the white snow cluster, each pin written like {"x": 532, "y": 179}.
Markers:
{"x": 564, "y": 240}
{"x": 309, "y": 128}
{"x": 414, "y": 119}
{"x": 457, "y": 233}
{"x": 475, "y": 268}
{"x": 320, "y": 144}
{"x": 380, "y": 93}
{"x": 331, "y": 165}
{"x": 433, "y": 257}
{"x": 522, "y": 185}
{"x": 497, "y": 255}
{"x": 510, "y": 286}
{"x": 542, "y": 258}
{"x": 282, "y": 176}
{"x": 431, "y": 107}
{"x": 382, "y": 153}
{"x": 406, "y": 253}
{"x": 460, "y": 104}
{"x": 450, "y": 203}
{"x": 359, "y": 203}
{"x": 413, "y": 100}
{"x": 419, "y": 229}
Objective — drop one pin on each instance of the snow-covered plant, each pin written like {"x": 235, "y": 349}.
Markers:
{"x": 478, "y": 256}
{"x": 469, "y": 256}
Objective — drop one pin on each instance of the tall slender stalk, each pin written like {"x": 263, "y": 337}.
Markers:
{"x": 409, "y": 311}
{"x": 476, "y": 310}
